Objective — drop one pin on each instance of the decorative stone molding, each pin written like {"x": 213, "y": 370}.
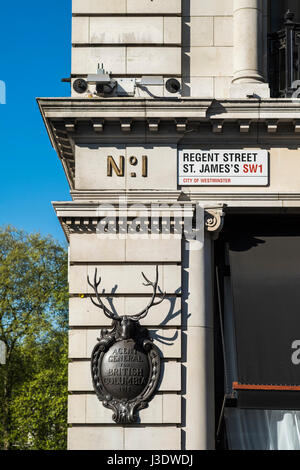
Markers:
{"x": 89, "y": 218}
{"x": 217, "y": 126}
{"x": 126, "y": 125}
{"x": 98, "y": 125}
{"x": 297, "y": 126}
{"x": 64, "y": 147}
{"x": 179, "y": 111}
{"x": 70, "y": 125}
{"x": 136, "y": 225}
{"x": 213, "y": 221}
{"x": 272, "y": 126}
{"x": 181, "y": 125}
{"x": 245, "y": 126}
{"x": 153, "y": 125}
{"x": 232, "y": 198}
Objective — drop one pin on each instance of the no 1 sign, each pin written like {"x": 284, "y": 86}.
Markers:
{"x": 223, "y": 167}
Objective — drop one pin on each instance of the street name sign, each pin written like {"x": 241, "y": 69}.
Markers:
{"x": 223, "y": 167}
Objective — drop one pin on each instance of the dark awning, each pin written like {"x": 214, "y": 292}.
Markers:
{"x": 265, "y": 273}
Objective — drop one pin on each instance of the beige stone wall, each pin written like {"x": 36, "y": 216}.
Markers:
{"x": 193, "y": 38}
{"x": 207, "y": 48}
{"x": 91, "y": 166}
{"x": 196, "y": 40}
{"x": 120, "y": 263}
{"x": 130, "y": 38}
{"x": 115, "y": 438}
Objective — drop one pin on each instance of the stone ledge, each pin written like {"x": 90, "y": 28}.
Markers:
{"x": 126, "y": 7}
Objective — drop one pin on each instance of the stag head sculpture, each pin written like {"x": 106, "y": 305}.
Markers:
{"x": 125, "y": 363}
{"x": 126, "y": 324}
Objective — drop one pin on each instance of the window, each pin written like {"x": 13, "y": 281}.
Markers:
{"x": 277, "y": 11}
{"x": 284, "y": 47}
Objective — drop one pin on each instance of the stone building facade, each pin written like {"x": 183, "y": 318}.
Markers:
{"x": 165, "y": 94}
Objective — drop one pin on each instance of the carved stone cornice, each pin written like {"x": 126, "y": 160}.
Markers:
{"x": 179, "y": 109}
{"x": 179, "y": 121}
{"x": 118, "y": 108}
{"x": 64, "y": 146}
{"x": 80, "y": 217}
{"x": 231, "y": 198}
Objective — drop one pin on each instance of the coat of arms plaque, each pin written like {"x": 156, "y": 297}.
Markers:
{"x": 125, "y": 363}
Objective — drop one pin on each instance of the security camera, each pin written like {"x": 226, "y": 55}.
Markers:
{"x": 80, "y": 85}
{"x": 173, "y": 85}
{"x": 101, "y": 77}
{"x": 106, "y": 88}
{"x": 103, "y": 81}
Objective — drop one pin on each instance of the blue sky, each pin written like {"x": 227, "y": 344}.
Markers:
{"x": 35, "y": 53}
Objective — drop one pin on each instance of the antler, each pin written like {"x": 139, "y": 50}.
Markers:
{"x": 154, "y": 285}
{"x": 101, "y": 305}
{"x": 141, "y": 314}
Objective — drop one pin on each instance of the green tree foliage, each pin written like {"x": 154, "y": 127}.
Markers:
{"x": 33, "y": 326}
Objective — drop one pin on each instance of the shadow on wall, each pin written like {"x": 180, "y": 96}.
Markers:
{"x": 168, "y": 341}
{"x": 186, "y": 48}
{"x": 206, "y": 364}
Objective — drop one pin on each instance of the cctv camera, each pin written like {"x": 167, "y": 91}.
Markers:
{"x": 80, "y": 85}
{"x": 106, "y": 88}
{"x": 173, "y": 85}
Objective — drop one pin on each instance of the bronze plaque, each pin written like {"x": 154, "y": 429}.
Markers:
{"x": 125, "y": 363}
{"x": 125, "y": 370}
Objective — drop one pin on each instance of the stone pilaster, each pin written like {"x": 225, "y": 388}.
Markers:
{"x": 199, "y": 429}
{"x": 248, "y": 77}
